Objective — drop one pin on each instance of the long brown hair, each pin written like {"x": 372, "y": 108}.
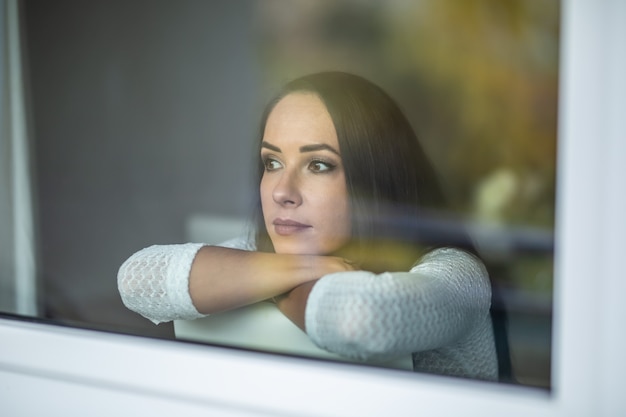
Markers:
{"x": 389, "y": 178}
{"x": 392, "y": 185}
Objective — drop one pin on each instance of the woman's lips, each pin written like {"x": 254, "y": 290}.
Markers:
{"x": 286, "y": 227}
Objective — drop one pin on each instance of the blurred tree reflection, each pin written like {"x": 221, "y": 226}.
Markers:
{"x": 478, "y": 79}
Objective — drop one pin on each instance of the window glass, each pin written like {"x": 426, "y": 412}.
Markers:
{"x": 141, "y": 124}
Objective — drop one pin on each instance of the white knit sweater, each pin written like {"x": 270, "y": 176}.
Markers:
{"x": 438, "y": 311}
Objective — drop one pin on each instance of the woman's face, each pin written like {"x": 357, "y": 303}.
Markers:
{"x": 303, "y": 189}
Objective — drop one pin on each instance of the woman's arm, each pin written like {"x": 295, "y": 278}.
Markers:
{"x": 167, "y": 282}
{"x": 365, "y": 316}
{"x": 222, "y": 279}
{"x": 293, "y": 304}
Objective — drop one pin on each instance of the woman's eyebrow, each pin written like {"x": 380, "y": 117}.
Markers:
{"x": 270, "y": 147}
{"x": 305, "y": 148}
{"x": 318, "y": 147}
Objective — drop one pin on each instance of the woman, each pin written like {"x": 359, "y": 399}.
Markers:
{"x": 340, "y": 171}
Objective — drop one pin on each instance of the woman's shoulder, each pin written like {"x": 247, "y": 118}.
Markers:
{"x": 450, "y": 253}
{"x": 452, "y": 261}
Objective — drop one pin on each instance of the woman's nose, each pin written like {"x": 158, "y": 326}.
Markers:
{"x": 287, "y": 190}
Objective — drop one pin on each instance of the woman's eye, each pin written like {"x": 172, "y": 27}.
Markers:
{"x": 271, "y": 164}
{"x": 319, "y": 166}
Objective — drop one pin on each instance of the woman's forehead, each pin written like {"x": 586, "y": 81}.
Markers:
{"x": 300, "y": 118}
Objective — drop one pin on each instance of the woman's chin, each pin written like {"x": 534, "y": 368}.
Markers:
{"x": 304, "y": 249}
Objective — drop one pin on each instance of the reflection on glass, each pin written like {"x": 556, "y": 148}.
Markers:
{"x": 479, "y": 82}
{"x": 338, "y": 248}
{"x": 135, "y": 145}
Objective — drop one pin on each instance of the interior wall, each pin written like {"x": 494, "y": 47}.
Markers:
{"x": 143, "y": 114}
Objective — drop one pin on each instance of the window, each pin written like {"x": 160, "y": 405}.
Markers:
{"x": 141, "y": 132}
{"x": 66, "y": 190}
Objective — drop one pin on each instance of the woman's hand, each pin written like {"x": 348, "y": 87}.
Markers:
{"x": 338, "y": 264}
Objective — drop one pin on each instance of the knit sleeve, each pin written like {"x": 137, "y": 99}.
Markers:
{"x": 365, "y": 316}
{"x": 154, "y": 281}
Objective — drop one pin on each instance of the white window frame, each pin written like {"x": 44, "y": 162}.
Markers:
{"x": 46, "y": 368}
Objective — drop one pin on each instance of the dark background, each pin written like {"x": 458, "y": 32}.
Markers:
{"x": 143, "y": 113}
